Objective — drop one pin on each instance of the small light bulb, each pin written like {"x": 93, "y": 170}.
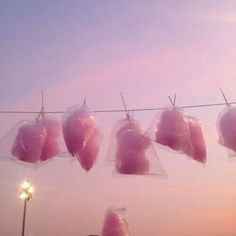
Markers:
{"x": 25, "y": 185}
{"x": 23, "y": 195}
{"x": 30, "y": 189}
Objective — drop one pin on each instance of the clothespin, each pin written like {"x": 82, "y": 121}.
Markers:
{"x": 42, "y": 112}
{"x": 172, "y": 101}
{"x": 226, "y": 101}
{"x": 126, "y": 111}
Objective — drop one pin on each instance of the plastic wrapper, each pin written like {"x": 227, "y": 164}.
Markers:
{"x": 115, "y": 223}
{"x": 37, "y": 140}
{"x": 227, "y": 129}
{"x": 183, "y": 134}
{"x": 29, "y": 142}
{"x": 131, "y": 151}
{"x": 81, "y": 135}
{"x": 172, "y": 130}
{"x": 32, "y": 141}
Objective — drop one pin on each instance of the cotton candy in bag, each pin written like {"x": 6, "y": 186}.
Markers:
{"x": 115, "y": 223}
{"x": 81, "y": 135}
{"x": 181, "y": 133}
{"x": 133, "y": 151}
{"x": 29, "y": 142}
{"x": 226, "y": 125}
{"x": 198, "y": 151}
{"x": 33, "y": 141}
{"x": 88, "y": 154}
{"x": 53, "y": 132}
{"x": 37, "y": 140}
{"x": 172, "y": 130}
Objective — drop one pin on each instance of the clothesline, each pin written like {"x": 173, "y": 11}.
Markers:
{"x": 118, "y": 110}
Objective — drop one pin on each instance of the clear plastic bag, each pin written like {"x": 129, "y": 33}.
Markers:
{"x": 31, "y": 142}
{"x": 172, "y": 130}
{"x": 115, "y": 223}
{"x": 131, "y": 151}
{"x": 226, "y": 125}
{"x": 81, "y": 135}
{"x": 183, "y": 134}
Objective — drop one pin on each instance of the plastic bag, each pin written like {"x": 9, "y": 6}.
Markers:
{"x": 172, "y": 130}
{"x": 81, "y": 135}
{"x": 226, "y": 124}
{"x": 32, "y": 141}
{"x": 29, "y": 142}
{"x": 181, "y": 133}
{"x": 133, "y": 151}
{"x": 37, "y": 140}
{"x": 130, "y": 149}
{"x": 115, "y": 223}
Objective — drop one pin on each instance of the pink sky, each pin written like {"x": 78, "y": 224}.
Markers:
{"x": 148, "y": 50}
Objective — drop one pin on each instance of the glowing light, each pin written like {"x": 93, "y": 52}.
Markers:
{"x": 23, "y": 195}
{"x": 26, "y": 192}
{"x": 25, "y": 185}
{"x": 31, "y": 189}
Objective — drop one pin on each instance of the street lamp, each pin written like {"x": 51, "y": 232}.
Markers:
{"x": 26, "y": 193}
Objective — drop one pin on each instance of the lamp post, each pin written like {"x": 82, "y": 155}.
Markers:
{"x": 26, "y": 193}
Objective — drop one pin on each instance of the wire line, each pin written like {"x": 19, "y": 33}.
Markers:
{"x": 118, "y": 110}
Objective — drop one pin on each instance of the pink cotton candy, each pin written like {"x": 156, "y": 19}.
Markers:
{"x": 227, "y": 129}
{"x": 131, "y": 162}
{"x": 172, "y": 130}
{"x": 198, "y": 152}
{"x": 130, "y": 150}
{"x": 114, "y": 225}
{"x": 88, "y": 153}
{"x": 127, "y": 124}
{"x": 81, "y": 136}
{"x": 77, "y": 128}
{"x": 51, "y": 146}
{"x": 133, "y": 139}
{"x": 29, "y": 142}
